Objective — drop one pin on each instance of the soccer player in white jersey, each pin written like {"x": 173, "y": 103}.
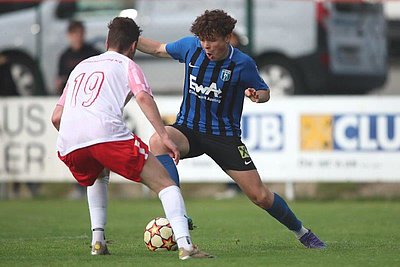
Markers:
{"x": 93, "y": 137}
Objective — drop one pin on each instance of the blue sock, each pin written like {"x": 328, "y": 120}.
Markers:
{"x": 281, "y": 211}
{"x": 170, "y": 166}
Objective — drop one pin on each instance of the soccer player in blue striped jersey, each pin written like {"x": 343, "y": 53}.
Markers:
{"x": 217, "y": 79}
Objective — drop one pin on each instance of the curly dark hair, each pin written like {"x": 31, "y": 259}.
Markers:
{"x": 212, "y": 24}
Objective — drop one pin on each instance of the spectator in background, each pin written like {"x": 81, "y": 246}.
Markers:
{"x": 238, "y": 42}
{"x": 77, "y": 51}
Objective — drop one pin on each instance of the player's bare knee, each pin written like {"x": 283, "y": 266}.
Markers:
{"x": 154, "y": 141}
{"x": 156, "y": 145}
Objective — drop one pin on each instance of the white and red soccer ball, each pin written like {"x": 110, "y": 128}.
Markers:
{"x": 158, "y": 235}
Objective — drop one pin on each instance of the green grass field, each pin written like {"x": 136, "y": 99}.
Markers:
{"x": 57, "y": 232}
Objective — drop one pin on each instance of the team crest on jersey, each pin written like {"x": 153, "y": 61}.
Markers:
{"x": 225, "y": 75}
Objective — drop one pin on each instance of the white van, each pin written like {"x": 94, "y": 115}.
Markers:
{"x": 301, "y": 47}
{"x": 392, "y": 14}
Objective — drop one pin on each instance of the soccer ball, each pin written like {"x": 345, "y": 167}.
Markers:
{"x": 158, "y": 235}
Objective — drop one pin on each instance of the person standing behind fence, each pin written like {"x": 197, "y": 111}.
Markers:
{"x": 77, "y": 51}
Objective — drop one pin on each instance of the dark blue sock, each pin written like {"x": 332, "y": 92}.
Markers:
{"x": 170, "y": 166}
{"x": 281, "y": 211}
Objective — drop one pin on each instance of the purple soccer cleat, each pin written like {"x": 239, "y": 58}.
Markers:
{"x": 310, "y": 240}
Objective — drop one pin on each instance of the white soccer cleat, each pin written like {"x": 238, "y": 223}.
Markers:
{"x": 195, "y": 253}
{"x": 99, "y": 249}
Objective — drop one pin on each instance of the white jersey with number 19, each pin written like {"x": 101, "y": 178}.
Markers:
{"x": 94, "y": 98}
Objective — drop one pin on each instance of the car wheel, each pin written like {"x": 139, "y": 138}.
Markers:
{"x": 25, "y": 76}
{"x": 281, "y": 76}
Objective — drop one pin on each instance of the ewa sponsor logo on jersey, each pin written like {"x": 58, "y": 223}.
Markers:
{"x": 351, "y": 132}
{"x": 263, "y": 132}
{"x": 209, "y": 93}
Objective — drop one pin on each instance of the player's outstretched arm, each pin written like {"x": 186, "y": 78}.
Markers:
{"x": 260, "y": 96}
{"x": 152, "y": 47}
{"x": 150, "y": 110}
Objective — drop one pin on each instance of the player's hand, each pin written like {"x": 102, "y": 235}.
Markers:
{"x": 173, "y": 148}
{"x": 252, "y": 94}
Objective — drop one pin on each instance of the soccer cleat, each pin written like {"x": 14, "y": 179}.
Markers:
{"x": 99, "y": 249}
{"x": 310, "y": 240}
{"x": 195, "y": 253}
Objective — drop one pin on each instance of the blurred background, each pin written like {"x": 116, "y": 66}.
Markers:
{"x": 333, "y": 50}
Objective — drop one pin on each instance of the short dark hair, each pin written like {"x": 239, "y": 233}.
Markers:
{"x": 212, "y": 24}
{"x": 74, "y": 25}
{"x": 122, "y": 32}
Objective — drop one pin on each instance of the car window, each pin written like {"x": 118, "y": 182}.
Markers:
{"x": 357, "y": 7}
{"x": 6, "y": 7}
{"x": 90, "y": 8}
{"x": 95, "y": 8}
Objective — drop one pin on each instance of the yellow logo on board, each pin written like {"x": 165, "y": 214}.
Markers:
{"x": 316, "y": 132}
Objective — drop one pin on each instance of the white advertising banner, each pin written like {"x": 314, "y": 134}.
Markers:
{"x": 325, "y": 139}
{"x": 27, "y": 146}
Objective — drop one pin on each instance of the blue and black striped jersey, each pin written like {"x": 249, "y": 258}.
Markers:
{"x": 213, "y": 93}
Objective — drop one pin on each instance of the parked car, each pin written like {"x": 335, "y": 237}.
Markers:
{"x": 392, "y": 13}
{"x": 301, "y": 47}
{"x": 34, "y": 36}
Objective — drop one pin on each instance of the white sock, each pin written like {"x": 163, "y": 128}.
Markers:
{"x": 301, "y": 232}
{"x": 174, "y": 208}
{"x": 98, "y": 200}
{"x": 185, "y": 242}
{"x": 98, "y": 235}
